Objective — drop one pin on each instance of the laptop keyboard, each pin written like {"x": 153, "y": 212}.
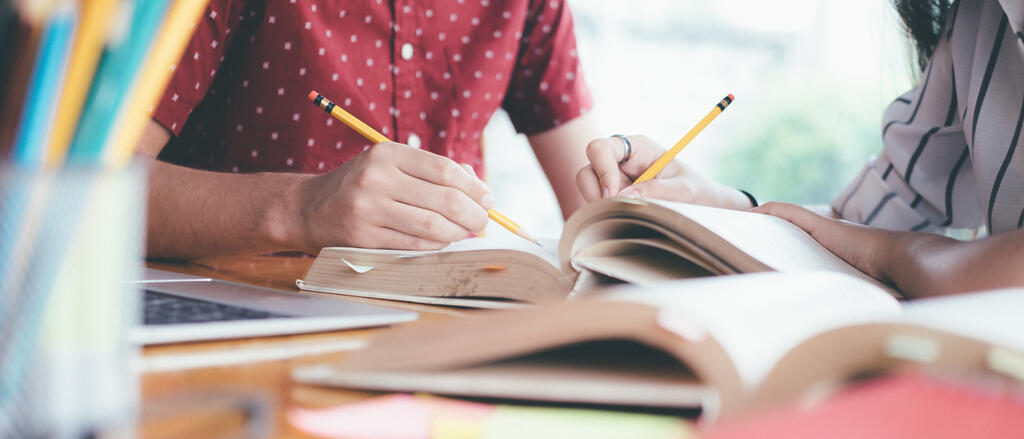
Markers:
{"x": 167, "y": 309}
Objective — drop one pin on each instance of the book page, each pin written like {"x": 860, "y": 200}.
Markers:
{"x": 549, "y": 251}
{"x": 771, "y": 240}
{"x": 757, "y": 318}
{"x": 729, "y": 240}
{"x": 990, "y": 316}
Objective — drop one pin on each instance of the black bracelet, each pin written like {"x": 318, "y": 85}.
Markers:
{"x": 750, "y": 197}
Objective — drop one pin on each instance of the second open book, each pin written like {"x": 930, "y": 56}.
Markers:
{"x": 613, "y": 240}
{"x": 723, "y": 344}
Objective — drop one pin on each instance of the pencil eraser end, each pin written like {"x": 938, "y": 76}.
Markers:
{"x": 731, "y": 98}
{"x": 312, "y": 95}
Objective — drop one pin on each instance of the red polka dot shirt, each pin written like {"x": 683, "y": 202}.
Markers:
{"x": 426, "y": 73}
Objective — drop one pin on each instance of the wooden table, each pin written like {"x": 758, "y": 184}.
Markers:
{"x": 270, "y": 378}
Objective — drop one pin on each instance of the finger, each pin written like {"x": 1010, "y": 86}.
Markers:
{"x": 441, "y": 171}
{"x": 588, "y": 185}
{"x": 469, "y": 168}
{"x": 421, "y": 223}
{"x": 645, "y": 152}
{"x": 802, "y": 218}
{"x": 604, "y": 155}
{"x": 452, "y": 204}
{"x": 385, "y": 238}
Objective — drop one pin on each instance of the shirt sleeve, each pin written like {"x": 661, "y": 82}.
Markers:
{"x": 1015, "y": 13}
{"x": 923, "y": 178}
{"x": 194, "y": 73}
{"x": 547, "y": 87}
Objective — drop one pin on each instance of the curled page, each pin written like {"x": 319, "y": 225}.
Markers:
{"x": 358, "y": 268}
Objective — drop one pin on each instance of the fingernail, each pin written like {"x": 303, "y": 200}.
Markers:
{"x": 629, "y": 193}
{"x": 487, "y": 201}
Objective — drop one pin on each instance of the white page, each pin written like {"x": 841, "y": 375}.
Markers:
{"x": 769, "y": 239}
{"x": 995, "y": 317}
{"x": 549, "y": 251}
{"x": 758, "y": 318}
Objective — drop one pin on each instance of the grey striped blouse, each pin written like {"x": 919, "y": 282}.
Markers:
{"x": 950, "y": 155}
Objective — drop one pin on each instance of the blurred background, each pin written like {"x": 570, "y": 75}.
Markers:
{"x": 811, "y": 79}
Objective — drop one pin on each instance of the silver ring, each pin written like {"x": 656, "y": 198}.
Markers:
{"x": 629, "y": 148}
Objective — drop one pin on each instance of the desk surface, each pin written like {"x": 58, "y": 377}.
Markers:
{"x": 177, "y": 370}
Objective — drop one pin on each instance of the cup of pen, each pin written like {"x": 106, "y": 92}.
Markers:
{"x": 69, "y": 240}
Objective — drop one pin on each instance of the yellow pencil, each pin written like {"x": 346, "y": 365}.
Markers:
{"x": 667, "y": 157}
{"x": 170, "y": 43}
{"x": 376, "y": 137}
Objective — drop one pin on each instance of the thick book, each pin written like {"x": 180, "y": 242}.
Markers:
{"x": 613, "y": 240}
{"x": 723, "y": 345}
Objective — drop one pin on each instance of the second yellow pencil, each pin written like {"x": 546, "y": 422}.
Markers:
{"x": 667, "y": 157}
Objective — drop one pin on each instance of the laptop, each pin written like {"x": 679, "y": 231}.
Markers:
{"x": 178, "y": 307}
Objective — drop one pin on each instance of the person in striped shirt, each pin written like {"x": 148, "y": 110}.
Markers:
{"x": 950, "y": 159}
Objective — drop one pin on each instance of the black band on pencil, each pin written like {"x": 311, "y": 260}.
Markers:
{"x": 329, "y": 107}
{"x": 318, "y": 99}
{"x": 728, "y": 100}
{"x": 753, "y": 201}
{"x": 721, "y": 107}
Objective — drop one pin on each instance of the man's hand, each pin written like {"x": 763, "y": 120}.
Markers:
{"x": 606, "y": 177}
{"x": 392, "y": 196}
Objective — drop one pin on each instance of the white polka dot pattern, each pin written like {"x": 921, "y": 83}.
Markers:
{"x": 429, "y": 69}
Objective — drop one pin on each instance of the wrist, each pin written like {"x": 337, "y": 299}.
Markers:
{"x": 905, "y": 261}
{"x": 737, "y": 199}
{"x": 282, "y": 216}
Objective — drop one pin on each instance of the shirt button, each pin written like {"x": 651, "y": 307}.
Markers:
{"x": 407, "y": 51}
{"x": 414, "y": 141}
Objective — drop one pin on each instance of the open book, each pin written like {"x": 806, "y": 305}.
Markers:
{"x": 612, "y": 240}
{"x": 721, "y": 344}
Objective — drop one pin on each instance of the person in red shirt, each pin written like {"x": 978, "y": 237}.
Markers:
{"x": 247, "y": 164}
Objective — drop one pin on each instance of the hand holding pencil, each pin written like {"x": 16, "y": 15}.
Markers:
{"x": 438, "y": 177}
{"x": 650, "y": 171}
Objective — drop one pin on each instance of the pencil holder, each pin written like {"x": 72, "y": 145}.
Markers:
{"x": 69, "y": 241}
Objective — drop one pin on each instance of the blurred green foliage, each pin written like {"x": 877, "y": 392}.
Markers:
{"x": 802, "y": 147}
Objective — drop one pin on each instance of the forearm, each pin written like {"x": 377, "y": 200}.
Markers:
{"x": 562, "y": 152}
{"x": 195, "y": 214}
{"x": 930, "y": 265}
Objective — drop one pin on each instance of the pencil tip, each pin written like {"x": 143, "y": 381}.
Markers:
{"x": 538, "y": 243}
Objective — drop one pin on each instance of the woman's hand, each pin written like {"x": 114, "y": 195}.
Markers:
{"x": 919, "y": 264}
{"x": 605, "y": 177}
{"x": 868, "y": 249}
